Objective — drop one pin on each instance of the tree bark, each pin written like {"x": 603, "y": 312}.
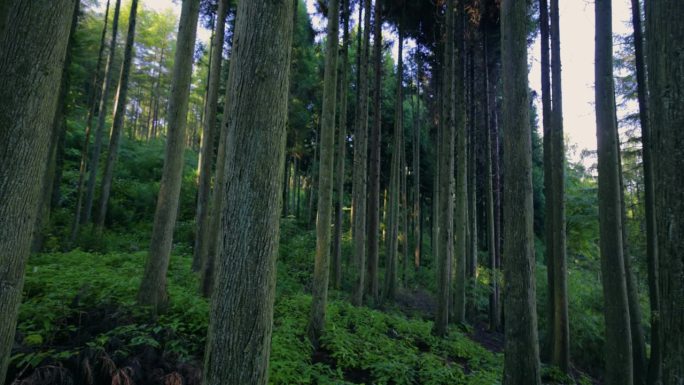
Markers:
{"x": 101, "y": 119}
{"x": 119, "y": 115}
{"x": 618, "y": 343}
{"x": 152, "y": 290}
{"x": 340, "y": 155}
{"x": 360, "y": 165}
{"x": 417, "y": 249}
{"x": 325, "y": 179}
{"x": 32, "y": 53}
{"x": 665, "y": 33}
{"x": 207, "y": 147}
{"x": 374, "y": 165}
{"x": 241, "y": 319}
{"x": 445, "y": 233}
{"x": 521, "y": 351}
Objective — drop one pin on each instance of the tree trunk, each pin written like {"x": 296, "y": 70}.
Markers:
{"x": 374, "y": 166}
{"x": 417, "y": 249}
{"x": 461, "y": 211}
{"x": 238, "y": 342}
{"x": 654, "y": 364}
{"x": 207, "y": 148}
{"x": 395, "y": 185}
{"x": 360, "y": 165}
{"x": 341, "y": 150}
{"x": 152, "y": 290}
{"x": 471, "y": 256}
{"x": 665, "y": 32}
{"x": 445, "y": 230}
{"x": 32, "y": 53}
{"x": 618, "y": 344}
{"x": 101, "y": 119}
{"x": 119, "y": 115}
{"x": 521, "y": 351}
{"x": 561, "y": 331}
{"x": 325, "y": 179}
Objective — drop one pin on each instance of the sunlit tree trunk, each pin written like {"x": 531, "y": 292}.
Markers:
{"x": 152, "y": 290}
{"x": 521, "y": 351}
{"x": 32, "y": 52}
{"x": 241, "y": 318}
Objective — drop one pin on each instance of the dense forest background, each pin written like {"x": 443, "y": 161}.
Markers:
{"x": 431, "y": 225}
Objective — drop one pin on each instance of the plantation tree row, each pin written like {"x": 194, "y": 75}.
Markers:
{"x": 427, "y": 161}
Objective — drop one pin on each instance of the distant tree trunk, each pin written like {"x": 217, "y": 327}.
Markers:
{"x": 472, "y": 247}
{"x": 495, "y": 76}
{"x": 618, "y": 344}
{"x": 654, "y": 364}
{"x": 119, "y": 115}
{"x": 207, "y": 148}
{"x": 665, "y": 44}
{"x": 521, "y": 350}
{"x": 360, "y": 165}
{"x": 313, "y": 169}
{"x": 445, "y": 231}
{"x": 241, "y": 319}
{"x": 461, "y": 207}
{"x": 341, "y": 150}
{"x": 152, "y": 290}
{"x": 374, "y": 166}
{"x": 417, "y": 249}
{"x": 395, "y": 185}
{"x": 93, "y": 101}
{"x": 561, "y": 331}
{"x": 101, "y": 119}
{"x": 32, "y": 53}
{"x": 325, "y": 179}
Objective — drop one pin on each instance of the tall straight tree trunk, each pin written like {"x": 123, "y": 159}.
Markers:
{"x": 395, "y": 185}
{"x": 360, "y": 165}
{"x": 561, "y": 330}
{"x": 374, "y": 166}
{"x": 119, "y": 115}
{"x": 521, "y": 350}
{"x": 325, "y": 179}
{"x": 404, "y": 211}
{"x": 471, "y": 256}
{"x": 32, "y": 52}
{"x": 152, "y": 290}
{"x": 101, "y": 119}
{"x": 93, "y": 101}
{"x": 208, "y": 134}
{"x": 341, "y": 150}
{"x": 489, "y": 186}
{"x": 654, "y": 363}
{"x": 461, "y": 207}
{"x": 445, "y": 232}
{"x": 618, "y": 343}
{"x": 241, "y": 318}
{"x": 417, "y": 249}
{"x": 548, "y": 169}
{"x": 665, "y": 33}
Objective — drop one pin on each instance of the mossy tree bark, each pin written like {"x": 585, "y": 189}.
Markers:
{"x": 241, "y": 319}
{"x": 32, "y": 52}
{"x": 119, "y": 115}
{"x": 665, "y": 44}
{"x": 152, "y": 290}
{"x": 206, "y": 157}
{"x": 360, "y": 164}
{"x": 325, "y": 179}
{"x": 618, "y": 343}
{"x": 521, "y": 351}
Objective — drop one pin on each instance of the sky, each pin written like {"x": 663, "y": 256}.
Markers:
{"x": 577, "y": 56}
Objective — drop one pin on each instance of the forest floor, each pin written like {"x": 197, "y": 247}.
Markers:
{"x": 79, "y": 324}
